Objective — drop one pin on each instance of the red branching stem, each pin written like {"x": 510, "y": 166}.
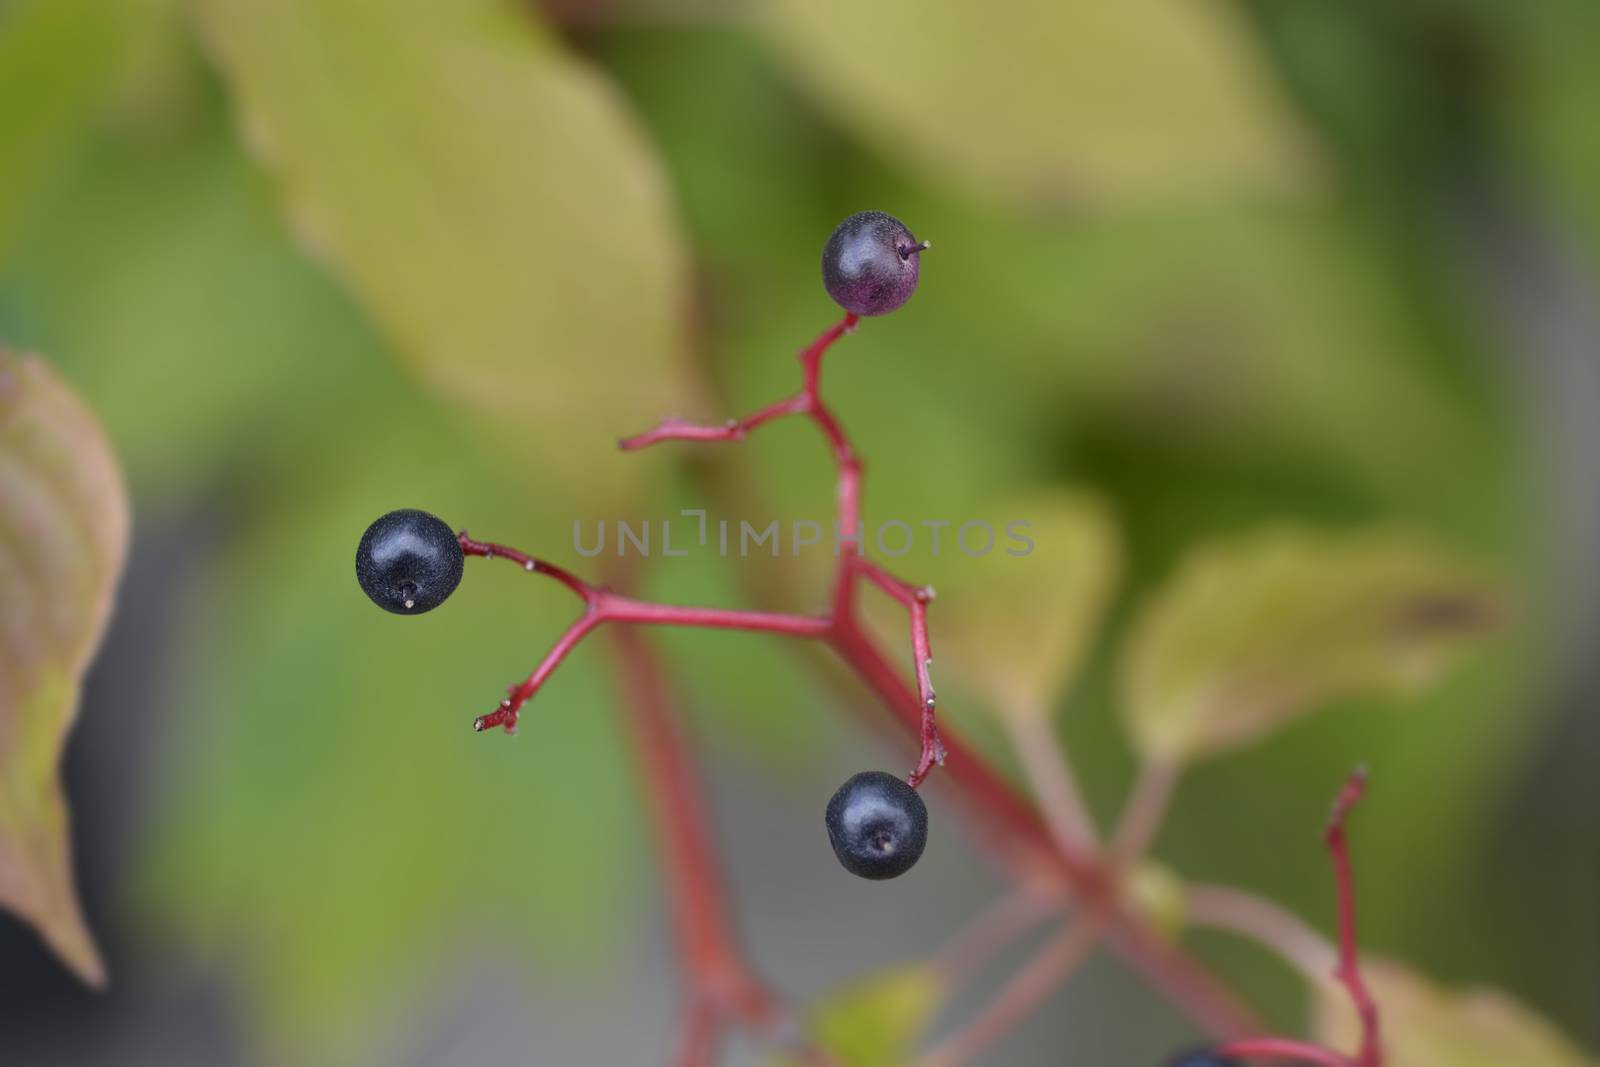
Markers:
{"x": 1023, "y": 995}
{"x": 604, "y": 606}
{"x": 489, "y": 550}
{"x": 722, "y": 988}
{"x": 853, "y": 563}
{"x": 701, "y": 1036}
{"x": 1349, "y": 971}
{"x": 916, "y": 600}
{"x": 1010, "y": 824}
{"x": 517, "y": 695}
{"x": 1283, "y": 1050}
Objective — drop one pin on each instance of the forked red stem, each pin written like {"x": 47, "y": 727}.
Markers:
{"x": 1022, "y": 835}
{"x": 1371, "y": 1052}
{"x": 1348, "y": 972}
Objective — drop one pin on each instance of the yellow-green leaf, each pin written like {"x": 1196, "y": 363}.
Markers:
{"x": 1157, "y": 893}
{"x": 63, "y": 538}
{"x": 1049, "y": 98}
{"x": 489, "y": 200}
{"x": 56, "y": 66}
{"x": 878, "y": 1021}
{"x": 1428, "y": 1027}
{"x": 1018, "y": 621}
{"x": 1252, "y": 632}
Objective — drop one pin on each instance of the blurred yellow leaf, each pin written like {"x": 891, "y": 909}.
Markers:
{"x": 63, "y": 538}
{"x": 878, "y": 1021}
{"x": 489, "y": 200}
{"x": 1159, "y": 894}
{"x": 1049, "y": 98}
{"x": 1253, "y": 632}
{"x": 56, "y": 66}
{"x": 1428, "y": 1027}
{"x": 1020, "y": 625}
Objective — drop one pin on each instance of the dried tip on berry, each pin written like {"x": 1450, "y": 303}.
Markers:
{"x": 409, "y": 562}
{"x": 877, "y": 825}
{"x": 479, "y": 725}
{"x": 871, "y": 263}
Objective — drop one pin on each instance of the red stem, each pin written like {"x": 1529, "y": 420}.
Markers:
{"x": 1022, "y": 837}
{"x": 721, "y": 984}
{"x": 1349, "y": 972}
{"x": 1281, "y": 1048}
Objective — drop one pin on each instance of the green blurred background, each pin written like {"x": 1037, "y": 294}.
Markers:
{"x": 1221, "y": 262}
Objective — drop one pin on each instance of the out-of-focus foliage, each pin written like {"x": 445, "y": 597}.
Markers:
{"x": 879, "y": 1020}
{"x": 1049, "y": 101}
{"x": 1425, "y": 1026}
{"x": 487, "y": 198}
{"x": 1253, "y": 632}
{"x": 63, "y": 539}
{"x": 311, "y": 862}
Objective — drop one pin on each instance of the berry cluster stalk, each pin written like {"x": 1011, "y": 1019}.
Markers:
{"x": 1009, "y": 823}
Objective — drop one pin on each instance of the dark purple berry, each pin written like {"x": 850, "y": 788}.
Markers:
{"x": 1201, "y": 1058}
{"x": 878, "y": 825}
{"x": 408, "y": 562}
{"x": 870, "y": 264}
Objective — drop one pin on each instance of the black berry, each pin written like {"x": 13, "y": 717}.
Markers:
{"x": 1201, "y": 1058}
{"x": 871, "y": 263}
{"x": 877, "y": 825}
{"x": 408, "y": 562}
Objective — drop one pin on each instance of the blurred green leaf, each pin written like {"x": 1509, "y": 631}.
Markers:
{"x": 162, "y": 283}
{"x": 1252, "y": 632}
{"x": 879, "y": 1020}
{"x": 1049, "y": 100}
{"x": 336, "y": 828}
{"x": 489, "y": 201}
{"x": 1018, "y": 621}
{"x": 63, "y": 539}
{"x": 57, "y": 63}
{"x": 1428, "y": 1027}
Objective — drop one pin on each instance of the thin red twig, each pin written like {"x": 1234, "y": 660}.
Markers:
{"x": 1349, "y": 972}
{"x": 1284, "y": 1049}
{"x": 853, "y": 563}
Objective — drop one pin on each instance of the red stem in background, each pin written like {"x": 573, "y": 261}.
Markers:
{"x": 1349, "y": 972}
{"x": 1282, "y": 1049}
{"x": 722, "y": 987}
{"x": 1370, "y": 1054}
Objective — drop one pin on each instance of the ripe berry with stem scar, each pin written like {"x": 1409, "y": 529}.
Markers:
{"x": 871, "y": 263}
{"x": 878, "y": 825}
{"x": 408, "y": 562}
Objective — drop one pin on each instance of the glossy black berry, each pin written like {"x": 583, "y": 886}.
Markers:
{"x": 1201, "y": 1058}
{"x": 408, "y": 562}
{"x": 877, "y": 825}
{"x": 871, "y": 263}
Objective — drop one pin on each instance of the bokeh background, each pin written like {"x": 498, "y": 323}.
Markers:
{"x": 1221, "y": 262}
